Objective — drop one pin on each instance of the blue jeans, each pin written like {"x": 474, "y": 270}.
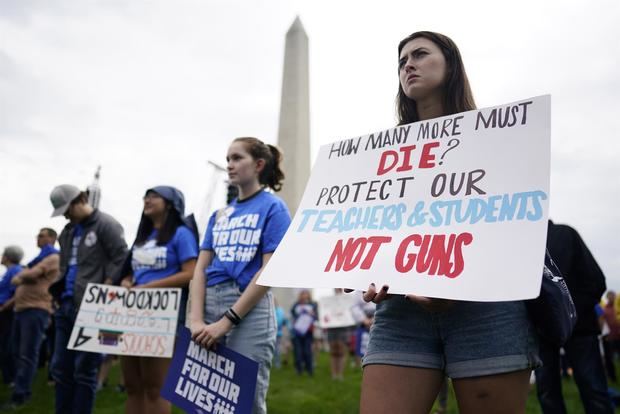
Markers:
{"x": 254, "y": 337}
{"x": 75, "y": 372}
{"x": 302, "y": 347}
{"x": 584, "y": 356}
{"x": 7, "y": 359}
{"x": 28, "y": 329}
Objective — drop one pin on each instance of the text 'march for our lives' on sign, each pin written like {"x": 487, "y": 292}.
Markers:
{"x": 116, "y": 320}
{"x": 216, "y": 381}
{"x": 453, "y": 207}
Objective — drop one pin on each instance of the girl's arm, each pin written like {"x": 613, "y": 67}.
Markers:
{"x": 197, "y": 293}
{"x": 210, "y": 334}
{"x": 253, "y": 293}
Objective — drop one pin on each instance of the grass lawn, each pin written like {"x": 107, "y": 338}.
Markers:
{"x": 288, "y": 393}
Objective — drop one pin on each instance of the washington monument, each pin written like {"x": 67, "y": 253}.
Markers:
{"x": 294, "y": 128}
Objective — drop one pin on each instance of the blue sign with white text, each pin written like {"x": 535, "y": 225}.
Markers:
{"x": 202, "y": 381}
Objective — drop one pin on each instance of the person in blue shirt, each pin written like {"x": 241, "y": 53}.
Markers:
{"x": 163, "y": 256}
{"x": 304, "y": 313}
{"x": 226, "y": 303}
{"x": 32, "y": 309}
{"x": 281, "y": 323}
{"x": 11, "y": 258}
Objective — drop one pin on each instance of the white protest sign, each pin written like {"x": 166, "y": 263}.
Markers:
{"x": 115, "y": 320}
{"x": 454, "y": 207}
{"x": 303, "y": 323}
{"x": 335, "y": 311}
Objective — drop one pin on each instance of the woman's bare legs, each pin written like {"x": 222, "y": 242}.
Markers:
{"x": 154, "y": 372}
{"x": 394, "y": 389}
{"x": 144, "y": 378}
{"x": 337, "y": 353}
{"x": 498, "y": 394}
{"x": 135, "y": 403}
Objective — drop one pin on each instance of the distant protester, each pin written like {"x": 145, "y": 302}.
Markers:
{"x": 227, "y": 305}
{"x": 364, "y": 315}
{"x": 586, "y": 283}
{"x": 92, "y": 249}
{"x": 337, "y": 339}
{"x": 11, "y": 259}
{"x": 611, "y": 338}
{"x": 33, "y": 306}
{"x": 281, "y": 345}
{"x": 163, "y": 256}
{"x": 304, "y": 315}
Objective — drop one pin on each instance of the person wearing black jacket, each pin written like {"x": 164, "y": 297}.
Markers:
{"x": 586, "y": 283}
{"x": 92, "y": 249}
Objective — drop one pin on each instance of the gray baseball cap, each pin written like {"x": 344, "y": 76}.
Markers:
{"x": 61, "y": 198}
{"x": 14, "y": 253}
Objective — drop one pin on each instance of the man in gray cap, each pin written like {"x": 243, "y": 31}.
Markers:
{"x": 11, "y": 259}
{"x": 92, "y": 249}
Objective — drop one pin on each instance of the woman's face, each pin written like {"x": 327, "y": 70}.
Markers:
{"x": 242, "y": 168}
{"x": 304, "y": 296}
{"x": 421, "y": 69}
{"x": 154, "y": 205}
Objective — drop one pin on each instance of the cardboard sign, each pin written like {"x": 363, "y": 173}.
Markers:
{"x": 115, "y": 320}
{"x": 453, "y": 207}
{"x": 335, "y": 311}
{"x": 219, "y": 381}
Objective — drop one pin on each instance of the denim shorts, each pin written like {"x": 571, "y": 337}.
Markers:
{"x": 470, "y": 339}
{"x": 254, "y": 337}
{"x": 338, "y": 334}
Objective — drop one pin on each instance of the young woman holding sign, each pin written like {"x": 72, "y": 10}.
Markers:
{"x": 488, "y": 349}
{"x": 163, "y": 256}
{"x": 227, "y": 305}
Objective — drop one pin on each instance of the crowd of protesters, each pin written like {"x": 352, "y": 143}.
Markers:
{"x": 406, "y": 354}
{"x": 39, "y": 301}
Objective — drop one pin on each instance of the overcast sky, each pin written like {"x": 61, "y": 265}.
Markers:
{"x": 152, "y": 90}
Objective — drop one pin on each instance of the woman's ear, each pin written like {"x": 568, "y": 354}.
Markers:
{"x": 260, "y": 165}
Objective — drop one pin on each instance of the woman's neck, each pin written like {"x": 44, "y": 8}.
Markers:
{"x": 248, "y": 190}
{"x": 429, "y": 108}
{"x": 158, "y": 222}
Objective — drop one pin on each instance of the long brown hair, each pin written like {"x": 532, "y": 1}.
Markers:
{"x": 457, "y": 95}
{"x": 272, "y": 175}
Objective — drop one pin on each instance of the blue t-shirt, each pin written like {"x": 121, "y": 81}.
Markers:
{"x": 46, "y": 250}
{"x": 598, "y": 310}
{"x": 243, "y": 233}
{"x": 7, "y": 290}
{"x": 152, "y": 262}
{"x": 72, "y": 266}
